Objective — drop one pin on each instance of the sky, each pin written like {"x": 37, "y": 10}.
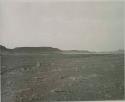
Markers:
{"x": 68, "y": 25}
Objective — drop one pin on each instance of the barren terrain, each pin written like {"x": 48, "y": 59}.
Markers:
{"x": 62, "y": 77}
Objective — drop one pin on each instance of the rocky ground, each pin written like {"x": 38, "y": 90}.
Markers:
{"x": 62, "y": 77}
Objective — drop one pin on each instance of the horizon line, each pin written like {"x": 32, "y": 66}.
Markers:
{"x": 62, "y": 49}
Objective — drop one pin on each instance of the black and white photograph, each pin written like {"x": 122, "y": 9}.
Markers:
{"x": 62, "y": 50}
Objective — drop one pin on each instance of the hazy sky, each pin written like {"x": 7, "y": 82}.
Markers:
{"x": 96, "y": 26}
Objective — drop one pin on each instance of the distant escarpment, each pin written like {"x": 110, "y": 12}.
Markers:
{"x": 47, "y": 50}
{"x": 36, "y": 50}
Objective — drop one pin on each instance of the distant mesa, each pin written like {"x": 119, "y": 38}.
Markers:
{"x": 38, "y": 50}
{"x": 29, "y": 49}
{"x": 35, "y": 49}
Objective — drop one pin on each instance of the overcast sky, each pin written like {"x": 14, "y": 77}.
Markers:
{"x": 94, "y": 26}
